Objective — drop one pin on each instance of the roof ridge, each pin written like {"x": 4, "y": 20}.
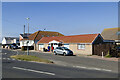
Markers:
{"x": 36, "y": 35}
{"x": 96, "y": 37}
{"x": 112, "y": 28}
{"x": 77, "y": 35}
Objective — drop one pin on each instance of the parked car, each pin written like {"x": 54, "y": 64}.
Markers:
{"x": 63, "y": 50}
{"x": 13, "y": 47}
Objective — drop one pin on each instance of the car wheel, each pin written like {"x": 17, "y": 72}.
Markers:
{"x": 64, "y": 53}
{"x": 55, "y": 53}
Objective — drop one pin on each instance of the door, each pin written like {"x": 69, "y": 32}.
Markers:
{"x": 41, "y": 46}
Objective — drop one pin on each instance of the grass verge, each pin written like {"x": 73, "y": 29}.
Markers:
{"x": 30, "y": 58}
{"x": 108, "y": 56}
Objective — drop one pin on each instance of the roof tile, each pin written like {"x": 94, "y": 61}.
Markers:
{"x": 87, "y": 38}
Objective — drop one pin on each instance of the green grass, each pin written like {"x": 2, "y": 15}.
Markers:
{"x": 108, "y": 56}
{"x": 89, "y": 55}
{"x": 30, "y": 58}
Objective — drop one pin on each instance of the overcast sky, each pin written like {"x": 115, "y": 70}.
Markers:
{"x": 68, "y": 18}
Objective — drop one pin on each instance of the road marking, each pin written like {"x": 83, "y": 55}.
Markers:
{"x": 4, "y": 58}
{"x": 93, "y": 68}
{"x": 33, "y": 70}
{"x": 107, "y": 70}
{"x": 5, "y": 53}
{"x": 80, "y": 67}
{"x": 8, "y": 58}
{"x": 13, "y": 59}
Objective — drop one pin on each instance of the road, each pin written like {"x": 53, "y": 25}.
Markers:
{"x": 12, "y": 68}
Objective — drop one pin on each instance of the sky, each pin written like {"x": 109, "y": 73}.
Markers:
{"x": 68, "y": 18}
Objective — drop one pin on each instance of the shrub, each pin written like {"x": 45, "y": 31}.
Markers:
{"x": 108, "y": 55}
{"x": 23, "y": 48}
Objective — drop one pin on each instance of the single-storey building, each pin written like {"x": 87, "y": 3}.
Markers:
{"x": 111, "y": 35}
{"x": 79, "y": 44}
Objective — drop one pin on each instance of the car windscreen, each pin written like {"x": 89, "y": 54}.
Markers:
{"x": 65, "y": 48}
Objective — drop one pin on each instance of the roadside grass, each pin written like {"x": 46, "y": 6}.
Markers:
{"x": 89, "y": 55}
{"x": 30, "y": 58}
{"x": 108, "y": 56}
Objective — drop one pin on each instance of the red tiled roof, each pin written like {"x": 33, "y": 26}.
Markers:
{"x": 39, "y": 34}
{"x": 86, "y": 38}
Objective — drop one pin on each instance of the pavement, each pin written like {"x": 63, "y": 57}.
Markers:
{"x": 63, "y": 69}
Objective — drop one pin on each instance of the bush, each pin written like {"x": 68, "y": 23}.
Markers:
{"x": 108, "y": 55}
{"x": 23, "y": 48}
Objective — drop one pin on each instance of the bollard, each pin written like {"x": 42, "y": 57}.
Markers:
{"x": 102, "y": 55}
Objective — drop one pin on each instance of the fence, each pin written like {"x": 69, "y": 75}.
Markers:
{"x": 105, "y": 48}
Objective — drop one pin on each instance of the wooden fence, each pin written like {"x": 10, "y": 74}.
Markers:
{"x": 104, "y": 47}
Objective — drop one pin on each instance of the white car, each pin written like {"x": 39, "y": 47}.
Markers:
{"x": 63, "y": 50}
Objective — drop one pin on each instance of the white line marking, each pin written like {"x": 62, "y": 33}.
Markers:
{"x": 107, "y": 70}
{"x": 8, "y": 58}
{"x": 5, "y": 53}
{"x": 33, "y": 70}
{"x": 80, "y": 67}
{"x": 94, "y": 69}
{"x": 4, "y": 58}
{"x": 13, "y": 59}
{"x": 90, "y": 68}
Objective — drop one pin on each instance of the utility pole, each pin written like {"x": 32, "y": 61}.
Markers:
{"x": 24, "y": 29}
{"x": 28, "y": 38}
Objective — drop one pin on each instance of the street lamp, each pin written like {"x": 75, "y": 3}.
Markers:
{"x": 28, "y": 37}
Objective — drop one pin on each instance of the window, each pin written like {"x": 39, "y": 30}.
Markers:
{"x": 81, "y": 46}
{"x": 66, "y": 45}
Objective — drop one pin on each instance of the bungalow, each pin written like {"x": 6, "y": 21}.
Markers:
{"x": 111, "y": 35}
{"x": 79, "y": 44}
{"x": 35, "y": 37}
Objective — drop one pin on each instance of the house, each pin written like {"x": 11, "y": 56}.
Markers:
{"x": 22, "y": 39}
{"x": 111, "y": 35}
{"x": 79, "y": 44}
{"x": 23, "y": 36}
{"x": 10, "y": 40}
{"x": 35, "y": 37}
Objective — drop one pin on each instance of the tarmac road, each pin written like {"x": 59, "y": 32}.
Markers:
{"x": 12, "y": 68}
